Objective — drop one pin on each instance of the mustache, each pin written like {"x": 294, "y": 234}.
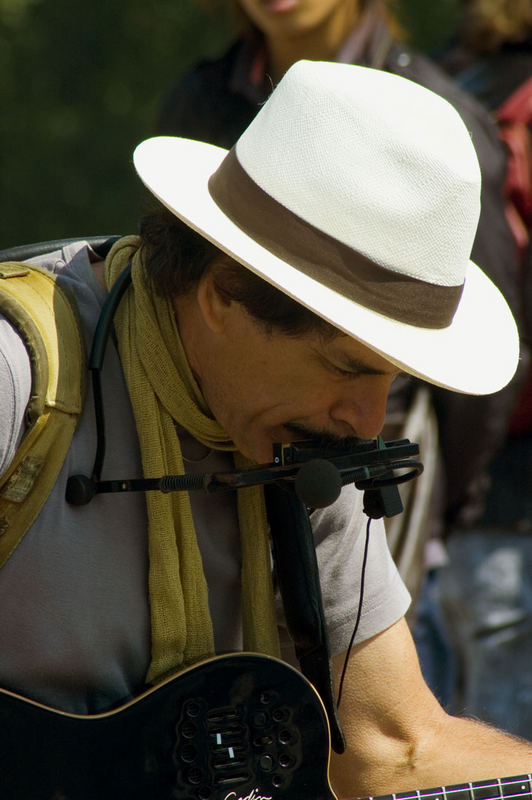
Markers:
{"x": 322, "y": 439}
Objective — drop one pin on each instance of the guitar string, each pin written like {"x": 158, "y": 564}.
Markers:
{"x": 445, "y": 792}
{"x": 448, "y": 792}
{"x": 357, "y": 620}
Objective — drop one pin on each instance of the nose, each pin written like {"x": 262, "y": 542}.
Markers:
{"x": 362, "y": 406}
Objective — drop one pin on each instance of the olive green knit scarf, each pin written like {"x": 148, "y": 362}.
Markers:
{"x": 163, "y": 391}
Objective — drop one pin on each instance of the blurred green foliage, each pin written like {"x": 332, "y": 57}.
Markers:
{"x": 428, "y": 23}
{"x": 79, "y": 87}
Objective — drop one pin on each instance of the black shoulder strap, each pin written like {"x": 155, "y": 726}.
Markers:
{"x": 297, "y": 573}
{"x": 100, "y": 244}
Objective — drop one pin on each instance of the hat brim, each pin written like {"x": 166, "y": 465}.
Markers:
{"x": 477, "y": 354}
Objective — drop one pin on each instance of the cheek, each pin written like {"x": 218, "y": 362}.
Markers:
{"x": 235, "y": 392}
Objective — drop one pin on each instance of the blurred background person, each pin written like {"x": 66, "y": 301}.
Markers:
{"x": 215, "y": 101}
{"x": 486, "y": 590}
{"x": 491, "y": 55}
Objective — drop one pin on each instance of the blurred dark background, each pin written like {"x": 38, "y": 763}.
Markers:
{"x": 79, "y": 87}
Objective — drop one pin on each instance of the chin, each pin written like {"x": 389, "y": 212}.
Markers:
{"x": 262, "y": 453}
{"x": 258, "y": 452}
{"x": 264, "y": 456}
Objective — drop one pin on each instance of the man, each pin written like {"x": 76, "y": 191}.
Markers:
{"x": 217, "y": 99}
{"x": 326, "y": 253}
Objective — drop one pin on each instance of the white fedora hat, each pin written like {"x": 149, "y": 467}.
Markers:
{"x": 357, "y": 193}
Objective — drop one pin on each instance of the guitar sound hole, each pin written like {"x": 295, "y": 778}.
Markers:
{"x": 286, "y": 736}
{"x": 286, "y": 760}
{"x": 266, "y": 763}
{"x": 219, "y": 715}
{"x": 232, "y": 780}
{"x": 189, "y": 753}
{"x": 280, "y": 714}
{"x": 260, "y": 719}
{"x": 189, "y": 730}
{"x": 194, "y": 775}
{"x": 247, "y": 739}
{"x": 192, "y": 709}
{"x": 263, "y": 740}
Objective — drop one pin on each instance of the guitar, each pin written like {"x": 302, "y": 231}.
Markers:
{"x": 235, "y": 727}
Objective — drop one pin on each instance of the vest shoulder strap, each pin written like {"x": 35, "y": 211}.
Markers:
{"x": 46, "y": 317}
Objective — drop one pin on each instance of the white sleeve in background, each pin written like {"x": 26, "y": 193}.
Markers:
{"x": 15, "y": 389}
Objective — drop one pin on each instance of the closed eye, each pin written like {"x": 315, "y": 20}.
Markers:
{"x": 344, "y": 373}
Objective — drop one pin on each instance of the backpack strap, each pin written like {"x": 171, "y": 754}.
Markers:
{"x": 46, "y": 318}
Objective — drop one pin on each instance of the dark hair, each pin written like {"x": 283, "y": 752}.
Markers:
{"x": 489, "y": 24}
{"x": 175, "y": 258}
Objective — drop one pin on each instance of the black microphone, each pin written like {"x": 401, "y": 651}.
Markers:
{"x": 318, "y": 483}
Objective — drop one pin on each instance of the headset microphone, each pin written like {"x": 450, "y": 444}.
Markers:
{"x": 316, "y": 475}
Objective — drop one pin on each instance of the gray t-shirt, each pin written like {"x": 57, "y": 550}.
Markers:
{"x": 74, "y": 606}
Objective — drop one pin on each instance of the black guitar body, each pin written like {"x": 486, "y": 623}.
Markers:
{"x": 237, "y": 727}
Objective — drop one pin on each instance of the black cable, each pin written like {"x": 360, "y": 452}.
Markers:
{"x": 96, "y": 357}
{"x": 359, "y": 613}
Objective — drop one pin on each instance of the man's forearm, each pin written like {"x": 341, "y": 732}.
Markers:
{"x": 456, "y": 750}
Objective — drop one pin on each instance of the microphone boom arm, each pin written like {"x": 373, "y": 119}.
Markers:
{"x": 370, "y": 465}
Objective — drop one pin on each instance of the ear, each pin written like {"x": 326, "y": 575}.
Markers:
{"x": 214, "y": 307}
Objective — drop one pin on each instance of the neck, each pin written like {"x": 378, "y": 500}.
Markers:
{"x": 319, "y": 43}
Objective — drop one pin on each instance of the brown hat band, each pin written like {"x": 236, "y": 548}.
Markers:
{"x": 324, "y": 258}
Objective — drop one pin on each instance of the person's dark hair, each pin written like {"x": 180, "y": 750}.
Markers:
{"x": 489, "y": 24}
{"x": 175, "y": 258}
